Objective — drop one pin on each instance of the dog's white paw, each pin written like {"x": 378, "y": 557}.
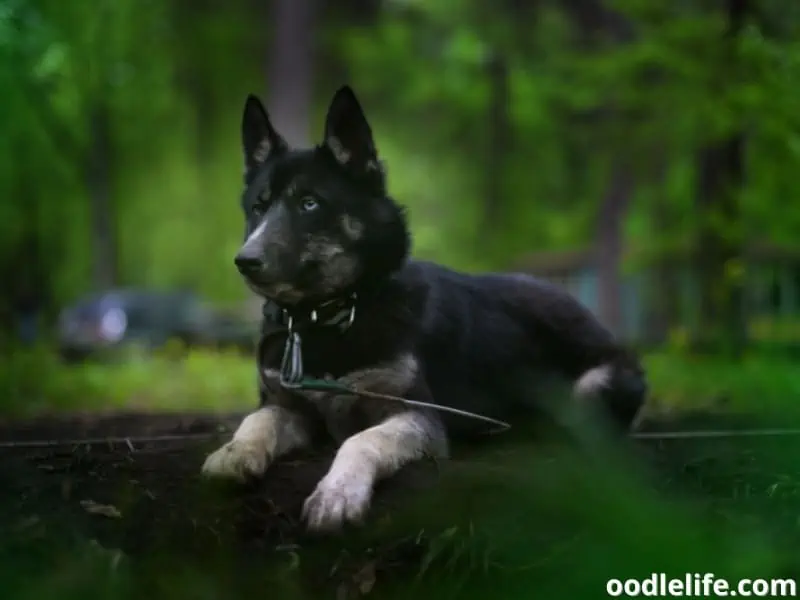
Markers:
{"x": 238, "y": 460}
{"x": 339, "y": 497}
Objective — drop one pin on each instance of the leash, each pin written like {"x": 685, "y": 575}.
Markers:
{"x": 292, "y": 377}
{"x": 324, "y": 385}
{"x": 131, "y": 441}
{"x": 713, "y": 433}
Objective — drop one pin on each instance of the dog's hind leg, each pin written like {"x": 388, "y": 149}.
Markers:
{"x": 619, "y": 386}
{"x": 345, "y": 493}
{"x": 262, "y": 436}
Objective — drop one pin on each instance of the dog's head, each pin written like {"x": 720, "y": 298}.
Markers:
{"x": 319, "y": 222}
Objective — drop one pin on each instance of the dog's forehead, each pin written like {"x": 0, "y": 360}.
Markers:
{"x": 295, "y": 172}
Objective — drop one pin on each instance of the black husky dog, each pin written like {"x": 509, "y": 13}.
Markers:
{"x": 329, "y": 250}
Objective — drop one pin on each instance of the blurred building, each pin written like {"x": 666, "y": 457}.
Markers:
{"x": 771, "y": 305}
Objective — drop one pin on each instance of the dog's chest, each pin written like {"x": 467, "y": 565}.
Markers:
{"x": 325, "y": 352}
{"x": 342, "y": 414}
{"x": 331, "y": 355}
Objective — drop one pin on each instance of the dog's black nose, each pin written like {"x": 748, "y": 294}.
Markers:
{"x": 246, "y": 263}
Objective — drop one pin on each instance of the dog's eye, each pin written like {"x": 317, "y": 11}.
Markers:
{"x": 307, "y": 204}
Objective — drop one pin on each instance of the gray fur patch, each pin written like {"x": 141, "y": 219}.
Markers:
{"x": 338, "y": 150}
{"x": 282, "y": 292}
{"x": 262, "y": 151}
{"x": 270, "y": 240}
{"x": 341, "y": 411}
{"x": 272, "y": 235}
{"x": 393, "y": 378}
{"x": 353, "y": 228}
{"x": 593, "y": 381}
{"x": 338, "y": 267}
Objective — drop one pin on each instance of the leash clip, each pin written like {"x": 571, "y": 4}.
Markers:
{"x": 291, "y": 374}
{"x": 352, "y": 316}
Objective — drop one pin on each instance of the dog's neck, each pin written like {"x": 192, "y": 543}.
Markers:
{"x": 338, "y": 312}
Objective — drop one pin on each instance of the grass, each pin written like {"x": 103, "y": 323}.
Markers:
{"x": 763, "y": 383}
{"x": 35, "y": 381}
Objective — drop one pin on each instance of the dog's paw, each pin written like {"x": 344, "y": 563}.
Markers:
{"x": 239, "y": 460}
{"x": 339, "y": 497}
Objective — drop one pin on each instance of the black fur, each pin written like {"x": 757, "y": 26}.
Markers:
{"x": 322, "y": 235}
{"x": 491, "y": 343}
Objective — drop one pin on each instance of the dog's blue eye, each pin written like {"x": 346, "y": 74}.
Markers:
{"x": 308, "y": 204}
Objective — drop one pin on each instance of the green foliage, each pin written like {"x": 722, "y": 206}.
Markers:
{"x": 59, "y": 61}
{"x": 36, "y": 381}
{"x": 676, "y": 86}
{"x": 172, "y": 77}
{"x": 175, "y": 379}
{"x": 174, "y": 80}
{"x": 760, "y": 382}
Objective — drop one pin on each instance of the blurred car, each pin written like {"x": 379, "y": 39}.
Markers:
{"x": 105, "y": 323}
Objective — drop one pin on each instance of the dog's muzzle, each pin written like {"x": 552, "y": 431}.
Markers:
{"x": 249, "y": 265}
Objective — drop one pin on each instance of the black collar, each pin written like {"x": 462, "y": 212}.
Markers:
{"x": 337, "y": 312}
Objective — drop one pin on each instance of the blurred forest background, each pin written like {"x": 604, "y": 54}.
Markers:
{"x": 641, "y": 153}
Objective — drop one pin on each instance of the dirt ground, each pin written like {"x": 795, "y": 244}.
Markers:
{"x": 140, "y": 498}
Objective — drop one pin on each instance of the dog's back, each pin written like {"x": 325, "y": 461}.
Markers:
{"x": 497, "y": 343}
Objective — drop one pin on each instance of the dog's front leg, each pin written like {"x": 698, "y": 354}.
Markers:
{"x": 262, "y": 436}
{"x": 345, "y": 493}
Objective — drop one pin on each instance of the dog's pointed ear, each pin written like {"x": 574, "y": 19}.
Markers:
{"x": 348, "y": 135}
{"x": 259, "y": 138}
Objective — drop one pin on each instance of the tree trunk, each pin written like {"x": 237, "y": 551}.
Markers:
{"x": 609, "y": 238}
{"x": 720, "y": 177}
{"x": 595, "y": 22}
{"x": 98, "y": 183}
{"x": 290, "y": 68}
{"x": 497, "y": 149}
{"x": 663, "y": 281}
{"x": 721, "y": 173}
{"x": 199, "y": 84}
